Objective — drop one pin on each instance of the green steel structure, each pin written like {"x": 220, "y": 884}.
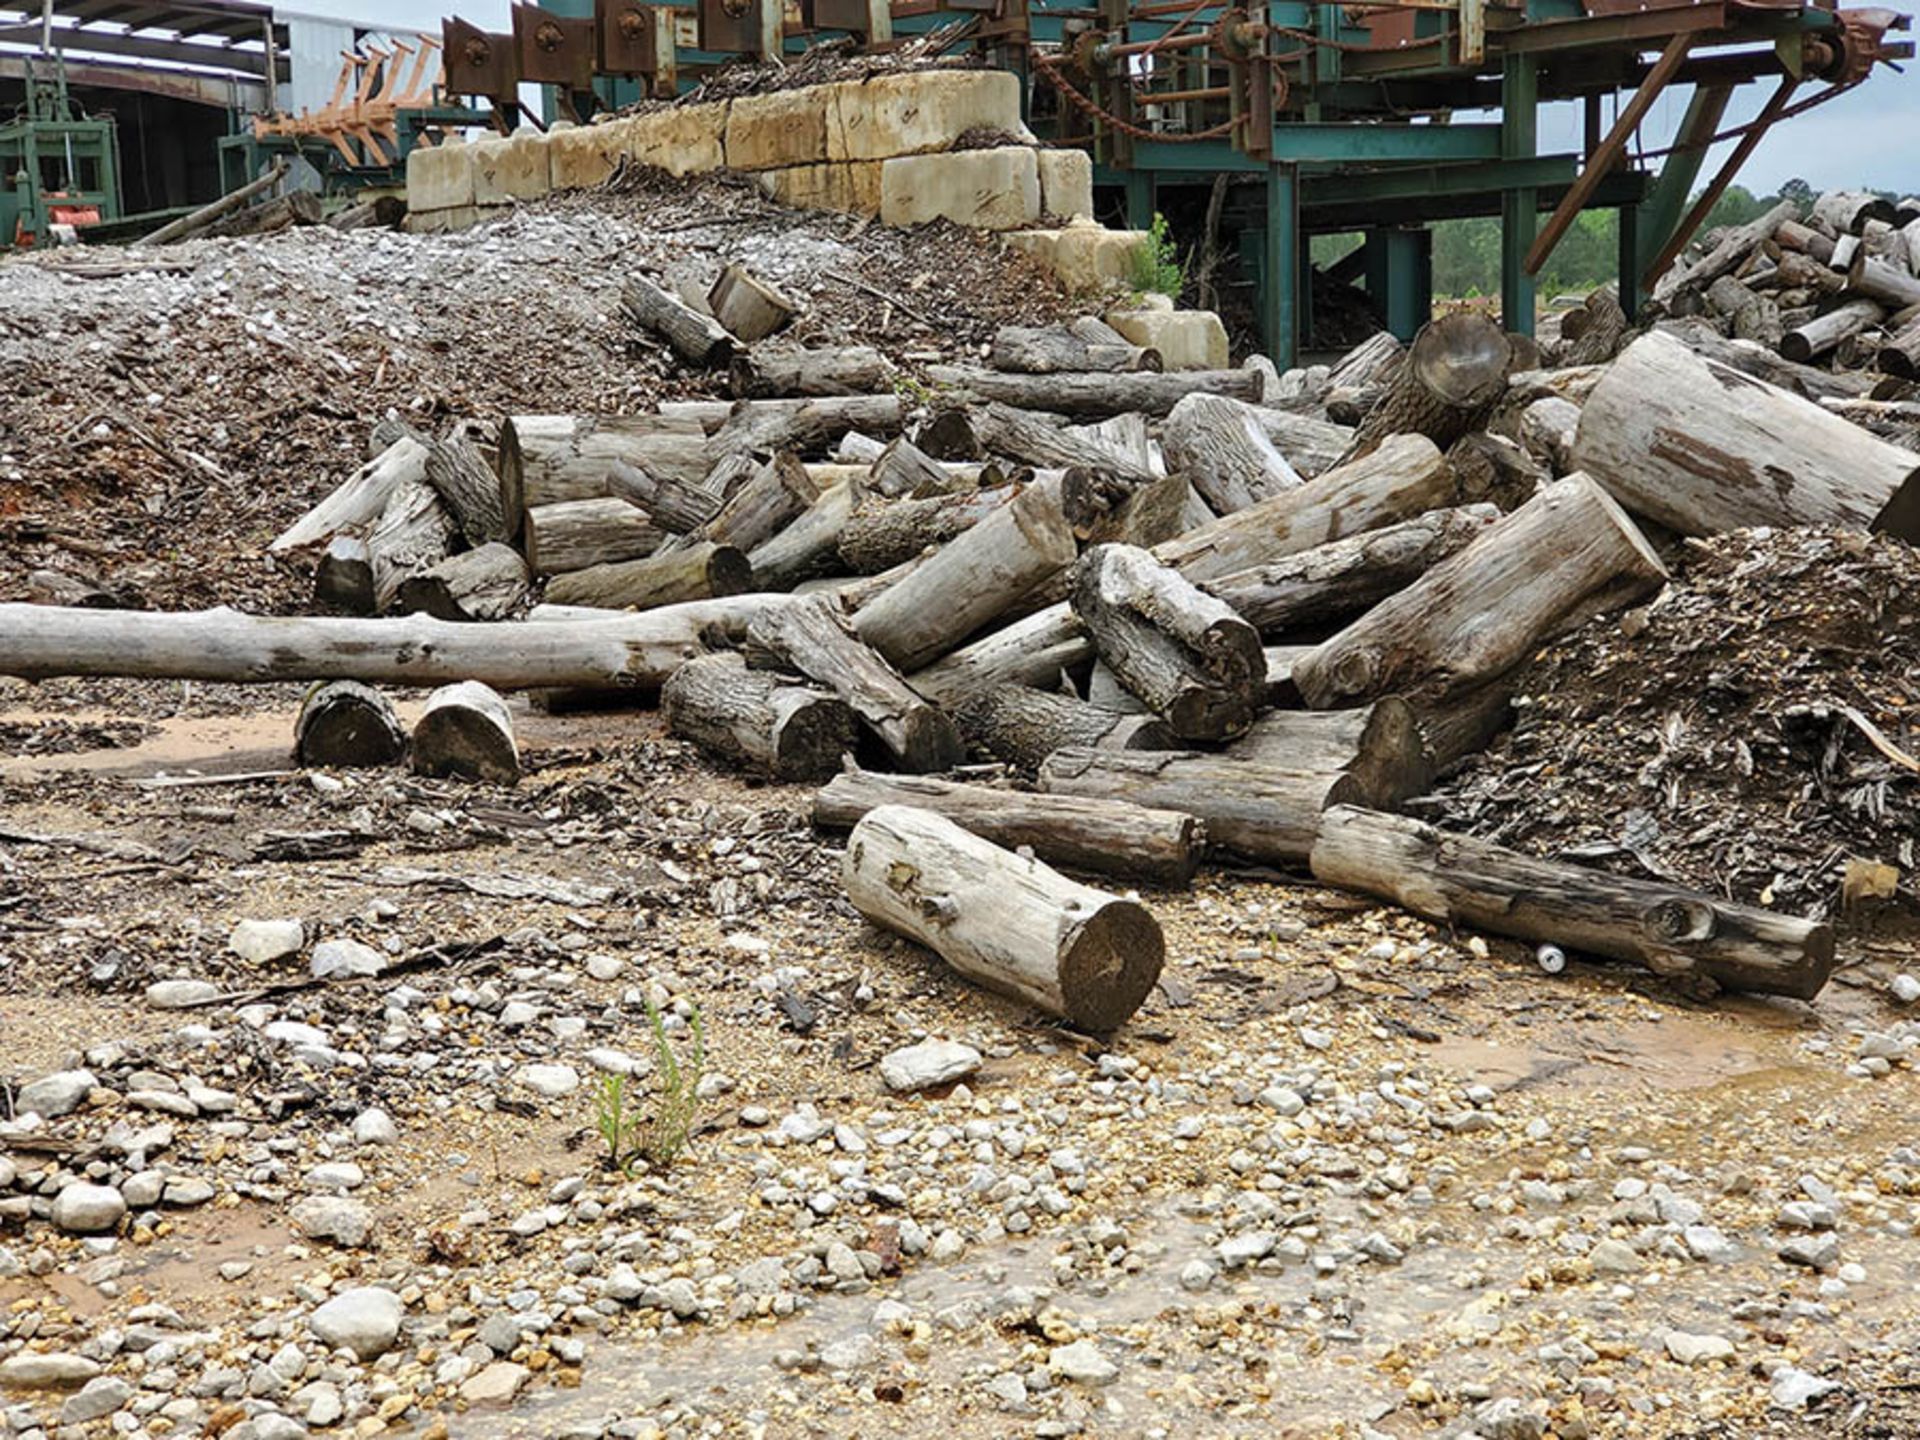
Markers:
{"x": 57, "y": 165}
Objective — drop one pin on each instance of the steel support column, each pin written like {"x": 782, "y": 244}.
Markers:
{"x": 1519, "y": 136}
{"x": 1629, "y": 241}
{"x": 1660, "y": 212}
{"x": 1139, "y": 199}
{"x": 1400, "y": 277}
{"x": 1279, "y": 299}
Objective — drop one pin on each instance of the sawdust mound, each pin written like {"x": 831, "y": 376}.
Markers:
{"x": 1748, "y": 733}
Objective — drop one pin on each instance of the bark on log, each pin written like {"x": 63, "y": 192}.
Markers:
{"x": 756, "y": 718}
{"x": 1495, "y": 469}
{"x": 576, "y": 534}
{"x": 347, "y": 725}
{"x": 1728, "y": 255}
{"x": 489, "y": 583}
{"x": 1366, "y": 363}
{"x": 776, "y": 495}
{"x": 1606, "y": 324}
{"x": 1093, "y": 395}
{"x": 471, "y": 490}
{"x": 1312, "y": 446}
{"x": 1221, "y": 446}
{"x": 1194, "y": 661}
{"x": 771, "y": 372}
{"x": 746, "y": 307}
{"x": 1458, "y": 880}
{"x": 1824, "y": 332}
{"x": 1455, "y": 369}
{"x": 699, "y": 340}
{"x": 1463, "y": 726}
{"x": 1013, "y": 925}
{"x": 904, "y": 471}
{"x": 1029, "y": 652}
{"x": 1281, "y": 691}
{"x": 1701, "y": 448}
{"x": 56, "y": 587}
{"x": 1547, "y": 428}
{"x": 1565, "y": 556}
{"x": 359, "y": 500}
{"x": 676, "y": 506}
{"x": 1105, "y": 691}
{"x": 283, "y": 212}
{"x": 701, "y": 571}
{"x": 1846, "y": 212}
{"x": 808, "y": 547}
{"x": 1023, "y": 726}
{"x": 1762, "y": 362}
{"x": 1028, "y": 437}
{"x": 1106, "y": 837}
{"x": 1900, "y": 356}
{"x": 883, "y": 534}
{"x": 545, "y": 459}
{"x": 1405, "y": 476}
{"x": 1255, "y": 811}
{"x": 1054, "y": 349}
{"x": 415, "y": 531}
{"x": 970, "y": 581}
{"x": 761, "y": 427}
{"x": 1380, "y": 746}
{"x": 1804, "y": 239}
{"x": 466, "y": 733}
{"x": 811, "y": 635}
{"x": 1338, "y": 580}
{"x": 343, "y": 576}
{"x": 383, "y": 212}
{"x": 1105, "y": 508}
{"x": 1894, "y": 287}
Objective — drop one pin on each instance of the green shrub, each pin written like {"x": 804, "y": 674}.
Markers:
{"x": 1156, "y": 263}
{"x": 662, "y": 1138}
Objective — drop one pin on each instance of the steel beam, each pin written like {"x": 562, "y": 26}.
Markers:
{"x": 1412, "y": 182}
{"x": 1519, "y": 206}
{"x": 1667, "y": 201}
{"x": 1279, "y": 299}
{"x": 1673, "y": 244}
{"x": 68, "y": 40}
{"x": 1331, "y": 143}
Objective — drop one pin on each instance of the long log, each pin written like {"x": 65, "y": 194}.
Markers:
{"x": 269, "y": 217}
{"x": 1190, "y": 657}
{"x": 195, "y": 221}
{"x": 1013, "y": 925}
{"x": 488, "y": 583}
{"x": 545, "y": 459}
{"x": 1702, "y": 448}
{"x": 1221, "y": 446}
{"x": 1455, "y": 369}
{"x": 970, "y": 581}
{"x": 1312, "y": 446}
{"x": 676, "y": 505}
{"x": 769, "y": 372}
{"x": 806, "y": 549}
{"x": 1105, "y": 837}
{"x": 811, "y": 635}
{"x": 1895, "y": 287}
{"x": 1023, "y": 726}
{"x": 761, "y": 427}
{"x": 884, "y": 533}
{"x": 1031, "y": 651}
{"x": 576, "y": 534}
{"x": 1094, "y": 395}
{"x": 700, "y": 571}
{"x": 1565, "y": 556}
{"x": 1763, "y": 362}
{"x": 1028, "y": 437}
{"x": 700, "y": 340}
{"x": 468, "y": 486}
{"x": 1380, "y": 745}
{"x": 347, "y": 725}
{"x": 1824, "y": 332}
{"x": 769, "y": 722}
{"x": 1052, "y": 349}
{"x": 360, "y": 499}
{"x": 776, "y": 495}
{"x": 1344, "y": 577}
{"x": 1255, "y": 811}
{"x": 1458, "y": 880}
{"x": 466, "y": 733}
{"x": 1728, "y": 254}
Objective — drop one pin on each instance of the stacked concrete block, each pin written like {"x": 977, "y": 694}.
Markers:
{"x": 440, "y": 177}
{"x": 786, "y": 128}
{"x": 989, "y": 189}
{"x": 923, "y": 112}
{"x": 1186, "y": 339}
{"x": 510, "y": 169}
{"x": 1066, "y": 184}
{"x": 686, "y": 140}
{"x": 850, "y": 187}
{"x": 1083, "y": 256}
{"x": 583, "y": 156}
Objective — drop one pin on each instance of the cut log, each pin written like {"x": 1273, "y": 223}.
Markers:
{"x": 1900, "y": 356}
{"x": 883, "y": 534}
{"x": 761, "y": 427}
{"x": 283, "y": 212}
{"x": 489, "y": 583}
{"x": 470, "y": 489}
{"x": 1598, "y": 339}
{"x": 343, "y": 576}
{"x": 700, "y": 340}
{"x": 1310, "y": 445}
{"x": 1380, "y": 746}
{"x": 768, "y": 722}
{"x": 809, "y": 546}
{"x": 904, "y": 471}
{"x": 1565, "y": 556}
{"x": 771, "y": 372}
{"x": 1103, "y": 507}
{"x": 1255, "y": 811}
{"x": 700, "y": 571}
{"x": 1023, "y": 726}
{"x": 1105, "y": 837}
{"x": 382, "y": 212}
{"x": 676, "y": 506}
{"x": 1053, "y": 349}
{"x": 415, "y": 531}
{"x": 1701, "y": 448}
{"x": 576, "y": 534}
{"x": 811, "y": 635}
{"x": 1463, "y": 726}
{"x": 1221, "y": 446}
{"x": 778, "y": 493}
{"x": 1804, "y": 240}
{"x": 1013, "y": 925}
{"x": 1492, "y": 468}
{"x": 1459, "y": 880}
{"x": 969, "y": 582}
{"x": 1895, "y": 287}
{"x": 1336, "y": 581}
{"x": 360, "y": 500}
{"x": 1455, "y": 369}
{"x": 1028, "y": 437}
{"x": 545, "y": 459}
{"x": 466, "y": 733}
{"x": 1728, "y": 255}
{"x": 1824, "y": 332}
{"x": 347, "y": 725}
{"x": 1847, "y": 212}
{"x": 1762, "y": 362}
{"x": 1029, "y": 652}
{"x": 1091, "y": 396}
{"x": 747, "y": 308}
{"x": 1281, "y": 659}
{"x": 1547, "y": 428}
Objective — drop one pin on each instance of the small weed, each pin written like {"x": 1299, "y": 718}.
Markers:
{"x": 913, "y": 390}
{"x": 610, "y": 1119}
{"x": 1156, "y": 263}
{"x": 660, "y": 1140}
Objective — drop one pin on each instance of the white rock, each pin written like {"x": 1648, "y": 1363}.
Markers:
{"x": 180, "y": 994}
{"x": 552, "y": 1081}
{"x": 103, "y": 1395}
{"x": 1795, "y": 1389}
{"x": 343, "y": 959}
{"x": 364, "y": 1320}
{"x": 82, "y": 1209}
{"x": 51, "y": 1096}
{"x": 1906, "y": 989}
{"x": 56, "y": 1370}
{"x": 1082, "y": 1361}
{"x": 374, "y": 1127}
{"x": 1698, "y": 1349}
{"x": 1246, "y": 1247}
{"x": 336, "y": 1175}
{"x": 497, "y": 1384}
{"x": 931, "y": 1062}
{"x": 264, "y": 940}
{"x": 333, "y": 1217}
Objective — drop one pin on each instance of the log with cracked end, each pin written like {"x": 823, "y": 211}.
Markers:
{"x": 1023, "y": 726}
{"x": 758, "y": 718}
{"x": 465, "y": 732}
{"x": 1221, "y": 446}
{"x": 347, "y": 725}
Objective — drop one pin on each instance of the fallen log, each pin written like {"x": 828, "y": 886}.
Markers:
{"x": 347, "y": 725}
{"x": 774, "y": 496}
{"x": 1895, "y": 287}
{"x": 1824, "y": 332}
{"x": 811, "y": 635}
{"x": 1013, "y": 925}
{"x": 1027, "y": 437}
{"x": 969, "y": 582}
{"x": 577, "y": 534}
{"x": 1105, "y": 691}
{"x": 1281, "y": 659}
{"x": 1462, "y": 726}
{"x": 1900, "y": 356}
{"x": 360, "y": 499}
{"x": 807, "y": 548}
{"x": 1379, "y": 745}
{"x": 1221, "y": 446}
{"x": 770, "y": 372}
{"x": 1190, "y": 657}
{"x": 545, "y": 459}
{"x": 701, "y": 571}
{"x": 756, "y": 718}
{"x": 1094, "y": 395}
{"x": 1701, "y": 448}
{"x": 1458, "y": 880}
{"x": 1598, "y": 339}
{"x": 761, "y": 427}
{"x": 677, "y": 506}
{"x": 1255, "y": 811}
{"x": 466, "y": 733}
{"x": 1454, "y": 371}
{"x": 1847, "y": 212}
{"x": 1344, "y": 577}
{"x": 1106, "y": 837}
{"x": 699, "y": 340}
{"x": 470, "y": 489}
{"x": 488, "y": 583}
{"x": 1496, "y": 470}
{"x": 1023, "y": 726}
{"x": 884, "y": 533}
{"x": 1106, "y": 508}
{"x": 56, "y": 587}
{"x": 382, "y": 212}
{"x": 1728, "y": 255}
{"x": 1032, "y": 652}
{"x": 1547, "y": 428}
{"x": 1804, "y": 240}
{"x": 1565, "y": 556}
{"x": 904, "y": 471}
{"x": 196, "y": 221}
{"x": 1053, "y": 349}
{"x": 746, "y": 307}
{"x": 415, "y": 531}
{"x": 1763, "y": 362}
{"x": 269, "y": 217}
{"x": 1309, "y": 444}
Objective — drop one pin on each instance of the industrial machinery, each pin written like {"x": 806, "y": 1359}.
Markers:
{"x": 58, "y": 166}
{"x": 1323, "y": 117}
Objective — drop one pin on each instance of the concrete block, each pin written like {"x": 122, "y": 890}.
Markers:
{"x": 852, "y": 187}
{"x": 513, "y": 168}
{"x": 581, "y": 156}
{"x": 453, "y": 217}
{"x": 686, "y": 140}
{"x": 786, "y": 128}
{"x": 1066, "y": 184}
{"x": 917, "y": 113}
{"x": 440, "y": 177}
{"x": 990, "y": 189}
{"x": 1186, "y": 339}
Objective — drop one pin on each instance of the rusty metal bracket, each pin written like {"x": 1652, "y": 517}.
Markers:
{"x": 625, "y": 38}
{"x": 553, "y": 49}
{"x": 478, "y": 62}
{"x": 741, "y": 27}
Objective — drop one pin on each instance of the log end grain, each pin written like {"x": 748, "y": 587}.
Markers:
{"x": 347, "y": 725}
{"x": 466, "y": 733}
{"x": 1110, "y": 963}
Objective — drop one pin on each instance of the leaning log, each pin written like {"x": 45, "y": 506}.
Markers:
{"x": 1825, "y": 332}
{"x": 360, "y": 499}
{"x": 1106, "y": 837}
{"x": 548, "y": 458}
{"x": 575, "y": 534}
{"x": 771, "y": 372}
{"x": 675, "y": 505}
{"x": 761, "y": 427}
{"x": 775, "y": 495}
{"x": 884, "y": 533}
{"x": 488, "y": 583}
{"x": 1455, "y": 369}
{"x": 700, "y": 340}
{"x": 347, "y": 725}
{"x": 468, "y": 486}
{"x": 416, "y": 530}
{"x": 806, "y": 549}
{"x": 1013, "y": 925}
{"x": 1701, "y": 448}
{"x": 1023, "y": 726}
{"x": 466, "y": 733}
{"x": 1091, "y": 396}
{"x": 1221, "y": 446}
{"x": 700, "y": 571}
{"x": 1032, "y": 651}
{"x": 1459, "y": 880}
{"x": 1379, "y": 745}
{"x": 768, "y": 722}
{"x": 1565, "y": 556}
